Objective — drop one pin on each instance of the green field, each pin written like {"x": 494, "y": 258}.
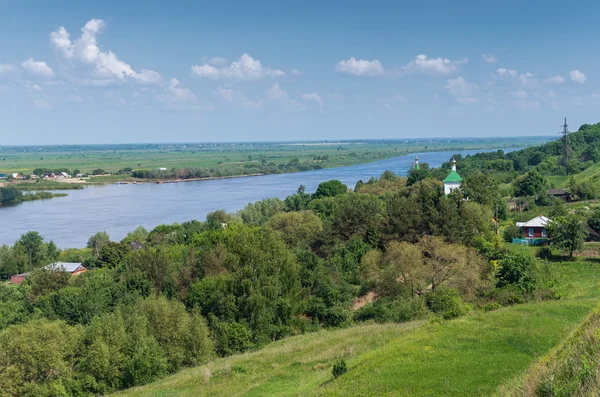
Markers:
{"x": 478, "y": 354}
{"x": 113, "y": 158}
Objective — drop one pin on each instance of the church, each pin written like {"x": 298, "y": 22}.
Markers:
{"x": 453, "y": 180}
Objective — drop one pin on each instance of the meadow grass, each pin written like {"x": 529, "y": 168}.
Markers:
{"x": 473, "y": 355}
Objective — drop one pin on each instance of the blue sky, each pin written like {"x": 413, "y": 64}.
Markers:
{"x": 181, "y": 71}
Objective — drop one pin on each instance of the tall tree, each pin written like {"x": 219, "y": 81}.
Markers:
{"x": 569, "y": 232}
{"x": 97, "y": 241}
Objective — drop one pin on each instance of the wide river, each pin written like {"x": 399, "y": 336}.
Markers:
{"x": 118, "y": 209}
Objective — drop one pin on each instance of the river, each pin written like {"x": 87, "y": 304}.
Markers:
{"x": 118, "y": 209}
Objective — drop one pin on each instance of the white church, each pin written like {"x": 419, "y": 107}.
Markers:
{"x": 453, "y": 180}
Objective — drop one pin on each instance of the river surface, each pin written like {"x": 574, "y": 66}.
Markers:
{"x": 118, "y": 209}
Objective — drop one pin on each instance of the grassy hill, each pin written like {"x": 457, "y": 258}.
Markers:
{"x": 473, "y": 355}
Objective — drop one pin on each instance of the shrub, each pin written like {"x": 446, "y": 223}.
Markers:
{"x": 446, "y": 302}
{"x": 544, "y": 253}
{"x": 511, "y": 232}
{"x": 339, "y": 368}
{"x": 518, "y": 270}
{"x": 488, "y": 307}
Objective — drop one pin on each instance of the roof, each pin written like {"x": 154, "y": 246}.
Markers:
{"x": 557, "y": 192}
{"x": 68, "y": 266}
{"x": 416, "y": 166}
{"x": 538, "y": 221}
{"x": 453, "y": 177}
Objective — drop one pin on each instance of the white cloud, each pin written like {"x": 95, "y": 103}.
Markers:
{"x": 360, "y": 67}
{"x": 555, "y": 79}
{"x": 107, "y": 66}
{"x": 224, "y": 93}
{"x": 37, "y": 68}
{"x": 276, "y": 93}
{"x": 577, "y": 76}
{"x": 527, "y": 79}
{"x": 313, "y": 97}
{"x": 489, "y": 58}
{"x": 178, "y": 93}
{"x": 506, "y": 72}
{"x": 296, "y": 72}
{"x": 6, "y": 68}
{"x": 459, "y": 87}
{"x": 423, "y": 64}
{"x": 246, "y": 68}
{"x": 217, "y": 61}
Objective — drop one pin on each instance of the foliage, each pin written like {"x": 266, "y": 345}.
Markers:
{"x": 519, "y": 270}
{"x": 511, "y": 232}
{"x": 532, "y": 183}
{"x": 446, "y": 303}
{"x": 97, "y": 241}
{"x": 330, "y": 189}
{"x": 297, "y": 228}
{"x": 568, "y": 232}
{"x": 339, "y": 368}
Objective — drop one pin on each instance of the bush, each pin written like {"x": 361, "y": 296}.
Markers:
{"x": 339, "y": 368}
{"x": 490, "y": 306}
{"x": 544, "y": 253}
{"x": 518, "y": 270}
{"x": 446, "y": 303}
{"x": 507, "y": 296}
{"x": 511, "y": 232}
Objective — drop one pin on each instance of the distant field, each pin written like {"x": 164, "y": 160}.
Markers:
{"x": 473, "y": 355}
{"x": 113, "y": 158}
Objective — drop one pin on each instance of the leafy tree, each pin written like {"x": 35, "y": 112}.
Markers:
{"x": 297, "y": 227}
{"x": 531, "y": 184}
{"x": 330, "y": 189}
{"x": 140, "y": 234}
{"x": 481, "y": 188}
{"x": 258, "y": 213}
{"x": 568, "y": 233}
{"x": 298, "y": 201}
{"x": 43, "y": 281}
{"x": 33, "y": 246}
{"x": 416, "y": 175}
{"x": 355, "y": 213}
{"x": 511, "y": 232}
{"x": 518, "y": 270}
{"x": 37, "y": 358}
{"x": 97, "y": 241}
{"x": 112, "y": 254}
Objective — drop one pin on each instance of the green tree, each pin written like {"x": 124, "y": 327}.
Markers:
{"x": 532, "y": 183}
{"x": 481, "y": 188}
{"x": 330, "y": 189}
{"x": 568, "y": 233}
{"x": 518, "y": 270}
{"x": 33, "y": 245}
{"x": 297, "y": 228}
{"x": 355, "y": 213}
{"x": 97, "y": 241}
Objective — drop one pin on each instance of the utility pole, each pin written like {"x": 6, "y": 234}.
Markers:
{"x": 566, "y": 148}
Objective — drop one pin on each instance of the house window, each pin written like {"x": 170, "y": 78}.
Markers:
{"x": 530, "y": 232}
{"x": 543, "y": 232}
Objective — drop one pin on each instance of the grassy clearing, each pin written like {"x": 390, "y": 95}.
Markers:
{"x": 473, "y": 355}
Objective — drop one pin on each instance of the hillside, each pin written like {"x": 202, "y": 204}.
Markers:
{"x": 473, "y": 355}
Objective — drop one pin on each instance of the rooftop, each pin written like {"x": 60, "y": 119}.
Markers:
{"x": 538, "y": 221}
{"x": 453, "y": 177}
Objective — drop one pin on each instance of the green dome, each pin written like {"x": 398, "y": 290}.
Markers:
{"x": 453, "y": 177}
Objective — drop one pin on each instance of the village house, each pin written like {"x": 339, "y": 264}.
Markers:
{"x": 16, "y": 175}
{"x": 72, "y": 267}
{"x": 3, "y": 176}
{"x": 49, "y": 175}
{"x": 534, "y": 231}
{"x": 559, "y": 193}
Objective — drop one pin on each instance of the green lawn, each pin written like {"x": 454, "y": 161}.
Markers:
{"x": 473, "y": 355}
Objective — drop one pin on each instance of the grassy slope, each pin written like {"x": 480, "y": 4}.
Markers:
{"x": 473, "y": 355}
{"x": 563, "y": 181}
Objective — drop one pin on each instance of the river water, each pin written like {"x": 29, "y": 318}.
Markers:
{"x": 118, "y": 209}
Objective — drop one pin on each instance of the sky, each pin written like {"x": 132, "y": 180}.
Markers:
{"x": 84, "y": 71}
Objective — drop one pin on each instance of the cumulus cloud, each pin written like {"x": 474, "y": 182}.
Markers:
{"x": 276, "y": 93}
{"x": 246, "y": 68}
{"x": 555, "y": 80}
{"x": 176, "y": 93}
{"x": 577, "y": 76}
{"x": 459, "y": 87}
{"x": 217, "y": 61}
{"x": 360, "y": 67}
{"x": 37, "y": 68}
{"x": 506, "y": 72}
{"x": 106, "y": 64}
{"x": 224, "y": 93}
{"x": 313, "y": 97}
{"x": 424, "y": 64}
{"x": 296, "y": 72}
{"x": 527, "y": 79}
{"x": 489, "y": 58}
